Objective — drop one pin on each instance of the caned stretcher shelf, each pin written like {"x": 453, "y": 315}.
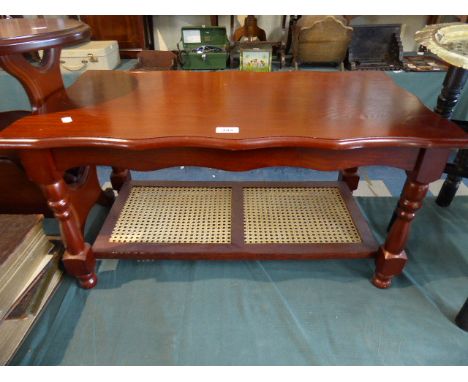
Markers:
{"x": 234, "y": 220}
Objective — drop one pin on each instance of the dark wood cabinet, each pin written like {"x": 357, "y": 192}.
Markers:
{"x": 133, "y": 33}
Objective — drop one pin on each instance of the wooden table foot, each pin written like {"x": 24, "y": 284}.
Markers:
{"x": 387, "y": 265}
{"x": 381, "y": 282}
{"x": 78, "y": 259}
{"x": 391, "y": 257}
{"x": 351, "y": 177}
{"x": 118, "y": 177}
{"x": 88, "y": 281}
{"x": 106, "y": 197}
{"x": 82, "y": 266}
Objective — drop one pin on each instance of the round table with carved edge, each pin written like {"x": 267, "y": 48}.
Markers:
{"x": 449, "y": 42}
{"x": 40, "y": 80}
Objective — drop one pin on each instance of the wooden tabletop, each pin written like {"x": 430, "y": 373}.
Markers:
{"x": 334, "y": 110}
{"x": 24, "y": 35}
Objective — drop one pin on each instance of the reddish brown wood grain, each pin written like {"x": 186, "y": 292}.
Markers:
{"x": 328, "y": 110}
{"x": 40, "y": 81}
{"x": 78, "y": 259}
{"x": 236, "y": 160}
{"x": 391, "y": 257}
{"x": 130, "y": 31}
{"x": 26, "y": 35}
{"x": 152, "y": 120}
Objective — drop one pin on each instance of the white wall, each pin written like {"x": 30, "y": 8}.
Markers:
{"x": 167, "y": 28}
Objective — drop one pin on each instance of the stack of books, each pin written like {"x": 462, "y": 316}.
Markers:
{"x": 29, "y": 274}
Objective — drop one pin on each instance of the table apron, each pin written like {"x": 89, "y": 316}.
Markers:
{"x": 237, "y": 160}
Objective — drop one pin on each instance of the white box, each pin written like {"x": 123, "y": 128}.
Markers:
{"x": 92, "y": 55}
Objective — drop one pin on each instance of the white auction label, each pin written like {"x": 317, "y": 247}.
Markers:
{"x": 67, "y": 119}
{"x": 227, "y": 130}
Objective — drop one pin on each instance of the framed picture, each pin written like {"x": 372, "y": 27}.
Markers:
{"x": 255, "y": 59}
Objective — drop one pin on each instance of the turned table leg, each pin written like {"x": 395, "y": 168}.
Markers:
{"x": 452, "y": 182}
{"x": 391, "y": 257}
{"x": 454, "y": 82}
{"x": 78, "y": 259}
{"x": 452, "y": 87}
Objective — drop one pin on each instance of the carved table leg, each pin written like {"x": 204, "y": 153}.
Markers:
{"x": 454, "y": 82}
{"x": 78, "y": 259}
{"x": 351, "y": 177}
{"x": 452, "y": 182}
{"x": 118, "y": 177}
{"x": 391, "y": 257}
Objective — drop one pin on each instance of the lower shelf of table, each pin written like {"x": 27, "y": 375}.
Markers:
{"x": 235, "y": 220}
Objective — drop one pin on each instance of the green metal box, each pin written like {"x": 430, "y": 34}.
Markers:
{"x": 204, "y": 48}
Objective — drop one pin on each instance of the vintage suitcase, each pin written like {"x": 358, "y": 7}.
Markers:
{"x": 92, "y": 55}
{"x": 203, "y": 48}
{"x": 375, "y": 47}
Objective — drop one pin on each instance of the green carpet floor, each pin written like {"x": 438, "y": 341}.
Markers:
{"x": 272, "y": 312}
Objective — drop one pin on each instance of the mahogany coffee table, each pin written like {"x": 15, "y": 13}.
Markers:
{"x": 234, "y": 121}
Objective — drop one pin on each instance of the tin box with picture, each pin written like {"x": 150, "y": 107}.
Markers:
{"x": 255, "y": 60}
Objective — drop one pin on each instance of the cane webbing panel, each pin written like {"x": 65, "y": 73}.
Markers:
{"x": 297, "y": 215}
{"x": 175, "y": 215}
